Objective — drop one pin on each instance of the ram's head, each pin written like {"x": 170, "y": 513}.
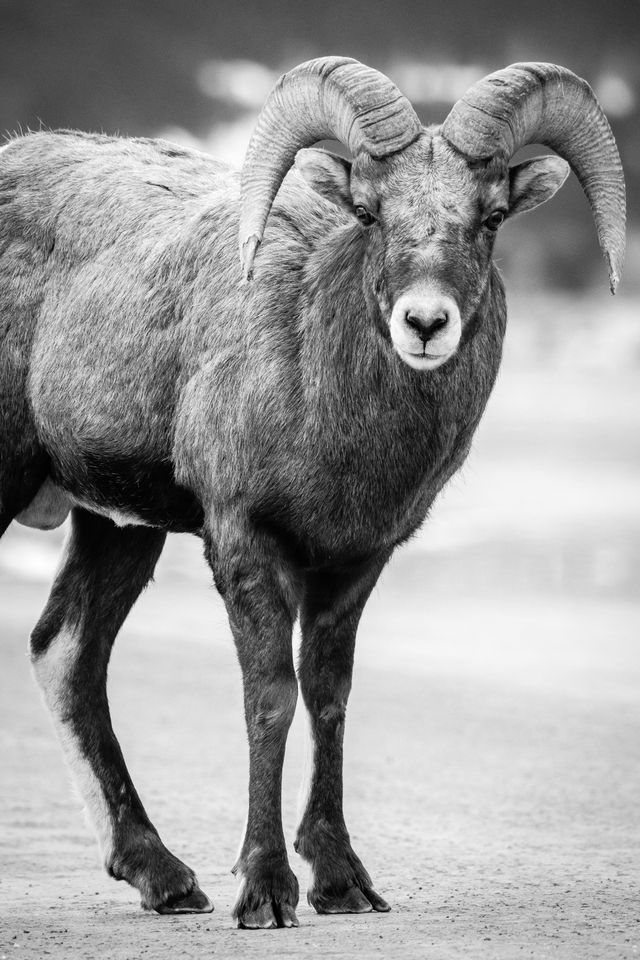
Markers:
{"x": 430, "y": 200}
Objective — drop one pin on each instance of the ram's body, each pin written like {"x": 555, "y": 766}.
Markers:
{"x": 300, "y": 414}
{"x": 158, "y": 384}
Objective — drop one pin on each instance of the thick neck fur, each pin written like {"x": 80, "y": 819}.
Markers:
{"x": 375, "y": 440}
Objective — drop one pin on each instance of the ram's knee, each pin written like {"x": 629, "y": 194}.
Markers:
{"x": 54, "y": 654}
{"x": 274, "y": 708}
{"x": 325, "y": 695}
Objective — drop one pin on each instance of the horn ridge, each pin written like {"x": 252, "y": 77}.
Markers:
{"x": 327, "y": 98}
{"x": 549, "y": 104}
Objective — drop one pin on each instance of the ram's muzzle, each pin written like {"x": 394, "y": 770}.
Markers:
{"x": 425, "y": 326}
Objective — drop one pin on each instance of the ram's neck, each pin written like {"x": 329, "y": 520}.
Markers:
{"x": 362, "y": 402}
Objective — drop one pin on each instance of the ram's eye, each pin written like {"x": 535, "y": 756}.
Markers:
{"x": 363, "y": 215}
{"x": 495, "y": 219}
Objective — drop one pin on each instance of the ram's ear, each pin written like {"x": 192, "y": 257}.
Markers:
{"x": 327, "y": 174}
{"x": 534, "y": 182}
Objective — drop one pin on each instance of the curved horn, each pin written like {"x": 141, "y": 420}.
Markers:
{"x": 548, "y": 104}
{"x": 330, "y": 98}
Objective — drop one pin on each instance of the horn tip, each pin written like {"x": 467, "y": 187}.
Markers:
{"x": 248, "y": 250}
{"x": 614, "y": 275}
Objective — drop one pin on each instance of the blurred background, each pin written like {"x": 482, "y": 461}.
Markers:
{"x": 197, "y": 72}
{"x": 514, "y": 617}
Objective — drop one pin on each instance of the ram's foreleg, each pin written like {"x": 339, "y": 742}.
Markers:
{"x": 331, "y": 609}
{"x": 103, "y": 572}
{"x": 261, "y": 602}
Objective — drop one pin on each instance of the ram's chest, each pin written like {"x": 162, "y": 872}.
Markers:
{"x": 355, "y": 486}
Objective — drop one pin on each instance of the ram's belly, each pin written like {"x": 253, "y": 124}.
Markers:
{"x": 52, "y": 504}
{"x": 134, "y": 497}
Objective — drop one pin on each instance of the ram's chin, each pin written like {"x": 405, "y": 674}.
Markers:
{"x": 423, "y": 361}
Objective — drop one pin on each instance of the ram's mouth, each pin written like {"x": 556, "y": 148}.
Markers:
{"x": 423, "y": 361}
{"x": 425, "y": 356}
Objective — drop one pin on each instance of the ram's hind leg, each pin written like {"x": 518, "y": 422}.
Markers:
{"x": 329, "y": 619}
{"x": 103, "y": 572}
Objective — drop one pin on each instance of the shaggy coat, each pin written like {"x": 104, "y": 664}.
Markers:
{"x": 144, "y": 378}
{"x": 147, "y": 387}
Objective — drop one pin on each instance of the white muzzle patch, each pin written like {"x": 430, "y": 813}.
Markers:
{"x": 425, "y": 327}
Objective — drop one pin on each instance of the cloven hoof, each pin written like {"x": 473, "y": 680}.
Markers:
{"x": 194, "y": 902}
{"x": 353, "y": 900}
{"x": 268, "y": 916}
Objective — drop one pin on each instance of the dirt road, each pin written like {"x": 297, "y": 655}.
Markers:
{"x": 492, "y": 749}
{"x": 493, "y": 796}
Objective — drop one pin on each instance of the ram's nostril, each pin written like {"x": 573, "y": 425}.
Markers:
{"x": 426, "y": 327}
{"x": 415, "y": 323}
{"x": 438, "y": 323}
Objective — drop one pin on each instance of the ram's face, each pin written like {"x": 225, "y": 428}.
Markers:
{"x": 429, "y": 243}
{"x": 429, "y": 218}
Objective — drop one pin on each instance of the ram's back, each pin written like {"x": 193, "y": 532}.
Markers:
{"x": 89, "y": 215}
{"x": 83, "y": 191}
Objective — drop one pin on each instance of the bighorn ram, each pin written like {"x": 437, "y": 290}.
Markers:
{"x": 302, "y": 423}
